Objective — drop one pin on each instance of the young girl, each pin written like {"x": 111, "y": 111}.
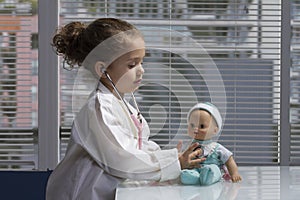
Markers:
{"x": 204, "y": 124}
{"x": 109, "y": 139}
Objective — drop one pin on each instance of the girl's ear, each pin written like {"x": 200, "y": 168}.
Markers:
{"x": 100, "y": 68}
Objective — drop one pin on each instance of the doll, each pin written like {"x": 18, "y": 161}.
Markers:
{"x": 204, "y": 125}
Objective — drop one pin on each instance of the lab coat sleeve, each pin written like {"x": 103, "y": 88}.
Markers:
{"x": 113, "y": 146}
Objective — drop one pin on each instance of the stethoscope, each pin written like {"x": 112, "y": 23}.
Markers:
{"x": 136, "y": 120}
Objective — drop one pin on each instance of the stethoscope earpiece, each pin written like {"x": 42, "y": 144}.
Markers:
{"x": 103, "y": 70}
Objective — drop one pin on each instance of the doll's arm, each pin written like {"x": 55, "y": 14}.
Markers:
{"x": 233, "y": 170}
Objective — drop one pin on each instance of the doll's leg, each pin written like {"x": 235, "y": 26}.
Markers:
{"x": 189, "y": 177}
{"x": 209, "y": 174}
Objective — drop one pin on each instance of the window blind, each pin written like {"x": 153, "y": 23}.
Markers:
{"x": 294, "y": 96}
{"x": 18, "y": 83}
{"x": 239, "y": 39}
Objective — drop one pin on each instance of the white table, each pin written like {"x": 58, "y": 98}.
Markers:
{"x": 258, "y": 183}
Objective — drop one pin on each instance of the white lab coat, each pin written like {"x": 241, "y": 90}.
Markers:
{"x": 103, "y": 151}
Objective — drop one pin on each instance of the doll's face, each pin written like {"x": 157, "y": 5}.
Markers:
{"x": 201, "y": 125}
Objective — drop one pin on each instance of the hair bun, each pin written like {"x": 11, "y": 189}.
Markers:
{"x": 76, "y": 40}
{"x": 66, "y": 36}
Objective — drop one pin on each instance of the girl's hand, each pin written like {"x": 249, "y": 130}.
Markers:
{"x": 188, "y": 159}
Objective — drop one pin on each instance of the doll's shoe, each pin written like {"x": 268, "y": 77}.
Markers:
{"x": 189, "y": 177}
{"x": 209, "y": 174}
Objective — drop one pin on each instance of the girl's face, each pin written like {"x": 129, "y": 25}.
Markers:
{"x": 201, "y": 125}
{"x": 127, "y": 72}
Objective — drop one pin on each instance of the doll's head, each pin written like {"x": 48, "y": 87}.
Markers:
{"x": 204, "y": 121}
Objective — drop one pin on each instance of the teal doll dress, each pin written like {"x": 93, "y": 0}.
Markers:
{"x": 211, "y": 169}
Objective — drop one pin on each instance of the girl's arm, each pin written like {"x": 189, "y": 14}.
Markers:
{"x": 233, "y": 170}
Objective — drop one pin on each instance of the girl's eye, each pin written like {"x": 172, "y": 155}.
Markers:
{"x": 132, "y": 65}
{"x": 192, "y": 125}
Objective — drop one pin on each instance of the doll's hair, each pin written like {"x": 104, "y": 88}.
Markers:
{"x": 76, "y": 40}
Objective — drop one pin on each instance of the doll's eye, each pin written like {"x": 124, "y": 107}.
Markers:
{"x": 202, "y": 126}
{"x": 192, "y": 125}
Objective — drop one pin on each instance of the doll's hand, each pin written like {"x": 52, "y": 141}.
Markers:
{"x": 188, "y": 159}
{"x": 236, "y": 178}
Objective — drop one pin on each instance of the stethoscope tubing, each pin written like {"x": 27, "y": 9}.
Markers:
{"x": 137, "y": 121}
{"x": 117, "y": 91}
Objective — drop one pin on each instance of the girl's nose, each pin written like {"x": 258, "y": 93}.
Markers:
{"x": 140, "y": 69}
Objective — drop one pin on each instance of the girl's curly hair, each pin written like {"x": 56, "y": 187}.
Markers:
{"x": 75, "y": 40}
